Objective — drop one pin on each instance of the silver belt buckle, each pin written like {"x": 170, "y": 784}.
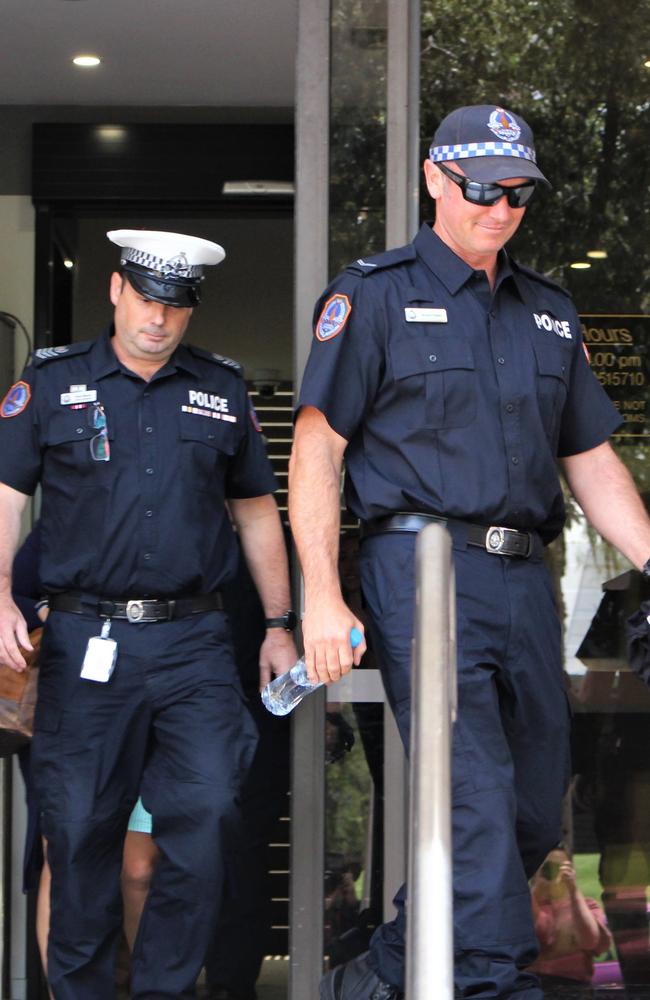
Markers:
{"x": 495, "y": 539}
{"x": 134, "y": 611}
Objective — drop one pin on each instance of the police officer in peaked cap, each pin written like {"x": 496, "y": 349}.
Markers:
{"x": 147, "y": 452}
{"x": 451, "y": 379}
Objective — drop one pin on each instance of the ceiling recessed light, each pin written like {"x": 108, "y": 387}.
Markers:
{"x": 111, "y": 133}
{"x": 580, "y": 265}
{"x": 647, "y": 64}
{"x": 86, "y": 60}
{"x": 597, "y": 254}
{"x": 68, "y": 263}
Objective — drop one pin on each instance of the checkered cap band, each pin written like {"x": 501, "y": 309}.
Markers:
{"x": 465, "y": 150}
{"x": 166, "y": 268}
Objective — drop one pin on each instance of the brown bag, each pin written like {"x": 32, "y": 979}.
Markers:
{"x": 18, "y": 700}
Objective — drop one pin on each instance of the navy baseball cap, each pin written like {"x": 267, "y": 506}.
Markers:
{"x": 165, "y": 267}
{"x": 492, "y": 144}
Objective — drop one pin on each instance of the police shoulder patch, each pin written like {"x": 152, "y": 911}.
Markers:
{"x": 334, "y": 315}
{"x": 365, "y": 266}
{"x": 45, "y": 354}
{"x": 218, "y": 359}
{"x": 16, "y": 399}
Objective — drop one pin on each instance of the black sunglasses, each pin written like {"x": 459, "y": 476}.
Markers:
{"x": 489, "y": 194}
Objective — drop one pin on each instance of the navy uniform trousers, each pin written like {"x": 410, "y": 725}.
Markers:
{"x": 171, "y": 723}
{"x": 510, "y": 751}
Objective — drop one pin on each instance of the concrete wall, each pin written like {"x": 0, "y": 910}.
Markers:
{"x": 17, "y": 268}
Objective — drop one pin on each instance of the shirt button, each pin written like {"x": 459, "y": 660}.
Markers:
{"x": 149, "y": 430}
{"x": 433, "y": 357}
{"x": 149, "y": 472}
{"x": 515, "y": 460}
{"x": 80, "y": 430}
{"x": 148, "y": 513}
{"x": 509, "y": 407}
{"x": 147, "y": 555}
{"x": 501, "y": 361}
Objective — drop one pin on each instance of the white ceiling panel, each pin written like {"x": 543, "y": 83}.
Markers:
{"x": 226, "y": 53}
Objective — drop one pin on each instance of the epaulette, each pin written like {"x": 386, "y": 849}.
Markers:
{"x": 389, "y": 258}
{"x": 218, "y": 359}
{"x": 44, "y": 354}
{"x": 542, "y": 278}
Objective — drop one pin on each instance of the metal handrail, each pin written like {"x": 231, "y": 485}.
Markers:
{"x": 429, "y": 942}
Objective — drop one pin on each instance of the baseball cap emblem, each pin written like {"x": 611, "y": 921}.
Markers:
{"x": 503, "y": 125}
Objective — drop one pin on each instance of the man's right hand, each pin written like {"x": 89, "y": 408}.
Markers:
{"x": 326, "y": 631}
{"x": 13, "y": 635}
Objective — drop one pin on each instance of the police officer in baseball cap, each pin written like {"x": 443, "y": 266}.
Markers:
{"x": 452, "y": 380}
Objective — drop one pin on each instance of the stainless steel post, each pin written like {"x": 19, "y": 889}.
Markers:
{"x": 429, "y": 946}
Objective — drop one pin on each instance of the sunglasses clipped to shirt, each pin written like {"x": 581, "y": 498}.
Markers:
{"x": 489, "y": 194}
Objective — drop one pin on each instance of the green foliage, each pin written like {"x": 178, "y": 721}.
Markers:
{"x": 573, "y": 68}
{"x": 348, "y": 787}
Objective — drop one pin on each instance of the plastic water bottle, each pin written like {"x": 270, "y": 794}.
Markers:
{"x": 281, "y": 695}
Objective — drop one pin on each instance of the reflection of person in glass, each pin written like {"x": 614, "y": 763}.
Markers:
{"x": 612, "y": 759}
{"x": 570, "y": 928}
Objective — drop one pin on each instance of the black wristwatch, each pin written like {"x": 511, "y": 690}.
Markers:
{"x": 287, "y": 621}
{"x": 645, "y": 569}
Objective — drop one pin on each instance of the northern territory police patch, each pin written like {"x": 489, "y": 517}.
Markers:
{"x": 16, "y": 400}
{"x": 253, "y": 415}
{"x": 333, "y": 317}
{"x": 503, "y": 125}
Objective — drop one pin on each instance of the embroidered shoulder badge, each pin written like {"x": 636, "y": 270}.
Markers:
{"x": 254, "y": 419}
{"x": 16, "y": 400}
{"x": 334, "y": 316}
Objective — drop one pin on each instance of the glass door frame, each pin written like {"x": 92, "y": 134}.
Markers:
{"x": 313, "y": 101}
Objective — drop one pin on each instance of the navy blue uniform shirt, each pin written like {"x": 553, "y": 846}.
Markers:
{"x": 454, "y": 399}
{"x": 151, "y": 520}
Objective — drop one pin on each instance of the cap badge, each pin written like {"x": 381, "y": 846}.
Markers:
{"x": 503, "y": 125}
{"x": 177, "y": 265}
{"x": 333, "y": 317}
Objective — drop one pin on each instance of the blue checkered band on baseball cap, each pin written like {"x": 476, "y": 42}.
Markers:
{"x": 467, "y": 149}
{"x": 493, "y": 144}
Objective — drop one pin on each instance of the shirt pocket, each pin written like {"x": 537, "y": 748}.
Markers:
{"x": 436, "y": 374}
{"x": 552, "y": 383}
{"x": 69, "y": 440}
{"x": 207, "y": 445}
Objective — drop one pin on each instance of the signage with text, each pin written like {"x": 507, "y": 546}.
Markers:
{"x": 618, "y": 354}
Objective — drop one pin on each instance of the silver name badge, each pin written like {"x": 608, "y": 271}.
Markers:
{"x": 79, "y": 396}
{"x": 425, "y": 315}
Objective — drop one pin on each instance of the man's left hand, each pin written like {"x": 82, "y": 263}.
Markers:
{"x": 278, "y": 654}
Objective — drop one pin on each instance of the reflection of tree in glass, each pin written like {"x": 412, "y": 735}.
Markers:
{"x": 348, "y": 797}
{"x": 574, "y": 69}
{"x": 358, "y": 130}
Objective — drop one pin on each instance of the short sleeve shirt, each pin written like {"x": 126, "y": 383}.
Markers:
{"x": 455, "y": 399}
{"x": 150, "y": 521}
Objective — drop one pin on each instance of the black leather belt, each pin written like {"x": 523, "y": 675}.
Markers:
{"x": 496, "y": 540}
{"x": 136, "y": 610}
